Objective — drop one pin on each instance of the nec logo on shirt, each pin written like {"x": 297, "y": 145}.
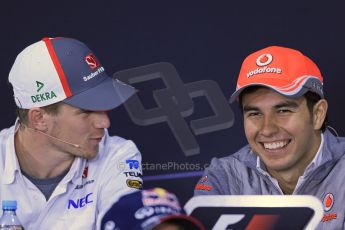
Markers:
{"x": 81, "y": 202}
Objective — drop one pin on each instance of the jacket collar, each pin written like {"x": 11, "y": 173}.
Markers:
{"x": 11, "y": 161}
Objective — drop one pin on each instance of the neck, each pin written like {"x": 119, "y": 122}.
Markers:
{"x": 287, "y": 182}
{"x": 37, "y": 157}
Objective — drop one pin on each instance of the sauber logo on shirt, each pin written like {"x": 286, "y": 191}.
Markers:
{"x": 92, "y": 61}
{"x": 81, "y": 202}
{"x": 80, "y": 186}
{"x": 85, "y": 172}
{"x": 328, "y": 202}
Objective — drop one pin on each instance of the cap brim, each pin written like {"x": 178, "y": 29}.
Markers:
{"x": 237, "y": 93}
{"x": 188, "y": 221}
{"x": 289, "y": 89}
{"x": 107, "y": 95}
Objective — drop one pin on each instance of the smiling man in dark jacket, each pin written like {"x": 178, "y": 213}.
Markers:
{"x": 290, "y": 151}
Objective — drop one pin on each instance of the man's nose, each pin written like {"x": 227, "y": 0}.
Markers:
{"x": 269, "y": 126}
{"x": 101, "y": 120}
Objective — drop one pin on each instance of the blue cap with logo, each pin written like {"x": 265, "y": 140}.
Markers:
{"x": 146, "y": 209}
{"x": 64, "y": 69}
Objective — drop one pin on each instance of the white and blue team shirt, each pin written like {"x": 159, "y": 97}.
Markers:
{"x": 90, "y": 187}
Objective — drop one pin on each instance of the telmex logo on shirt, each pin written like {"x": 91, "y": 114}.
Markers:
{"x": 133, "y": 164}
{"x": 134, "y": 174}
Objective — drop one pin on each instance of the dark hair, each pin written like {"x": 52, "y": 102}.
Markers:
{"x": 181, "y": 224}
{"x": 311, "y": 97}
{"x": 22, "y": 114}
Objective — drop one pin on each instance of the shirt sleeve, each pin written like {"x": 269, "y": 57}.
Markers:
{"x": 214, "y": 180}
{"x": 122, "y": 174}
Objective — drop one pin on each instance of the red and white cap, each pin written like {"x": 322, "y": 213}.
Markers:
{"x": 64, "y": 69}
{"x": 286, "y": 71}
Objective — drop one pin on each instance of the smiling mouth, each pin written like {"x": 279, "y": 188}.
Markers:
{"x": 275, "y": 145}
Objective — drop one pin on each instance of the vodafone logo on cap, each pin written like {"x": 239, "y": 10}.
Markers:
{"x": 328, "y": 202}
{"x": 92, "y": 61}
{"x": 264, "y": 59}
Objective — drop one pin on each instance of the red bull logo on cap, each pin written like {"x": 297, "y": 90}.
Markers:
{"x": 160, "y": 196}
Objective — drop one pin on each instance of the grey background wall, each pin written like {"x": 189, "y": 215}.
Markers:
{"x": 204, "y": 40}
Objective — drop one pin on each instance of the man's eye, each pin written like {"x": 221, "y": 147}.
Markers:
{"x": 85, "y": 111}
{"x": 253, "y": 114}
{"x": 284, "y": 110}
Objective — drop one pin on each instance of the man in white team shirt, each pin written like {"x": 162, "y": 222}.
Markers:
{"x": 58, "y": 160}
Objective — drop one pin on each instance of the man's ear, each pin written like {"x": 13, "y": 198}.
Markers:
{"x": 36, "y": 119}
{"x": 319, "y": 113}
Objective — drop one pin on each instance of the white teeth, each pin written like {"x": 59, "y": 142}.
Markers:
{"x": 275, "y": 145}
